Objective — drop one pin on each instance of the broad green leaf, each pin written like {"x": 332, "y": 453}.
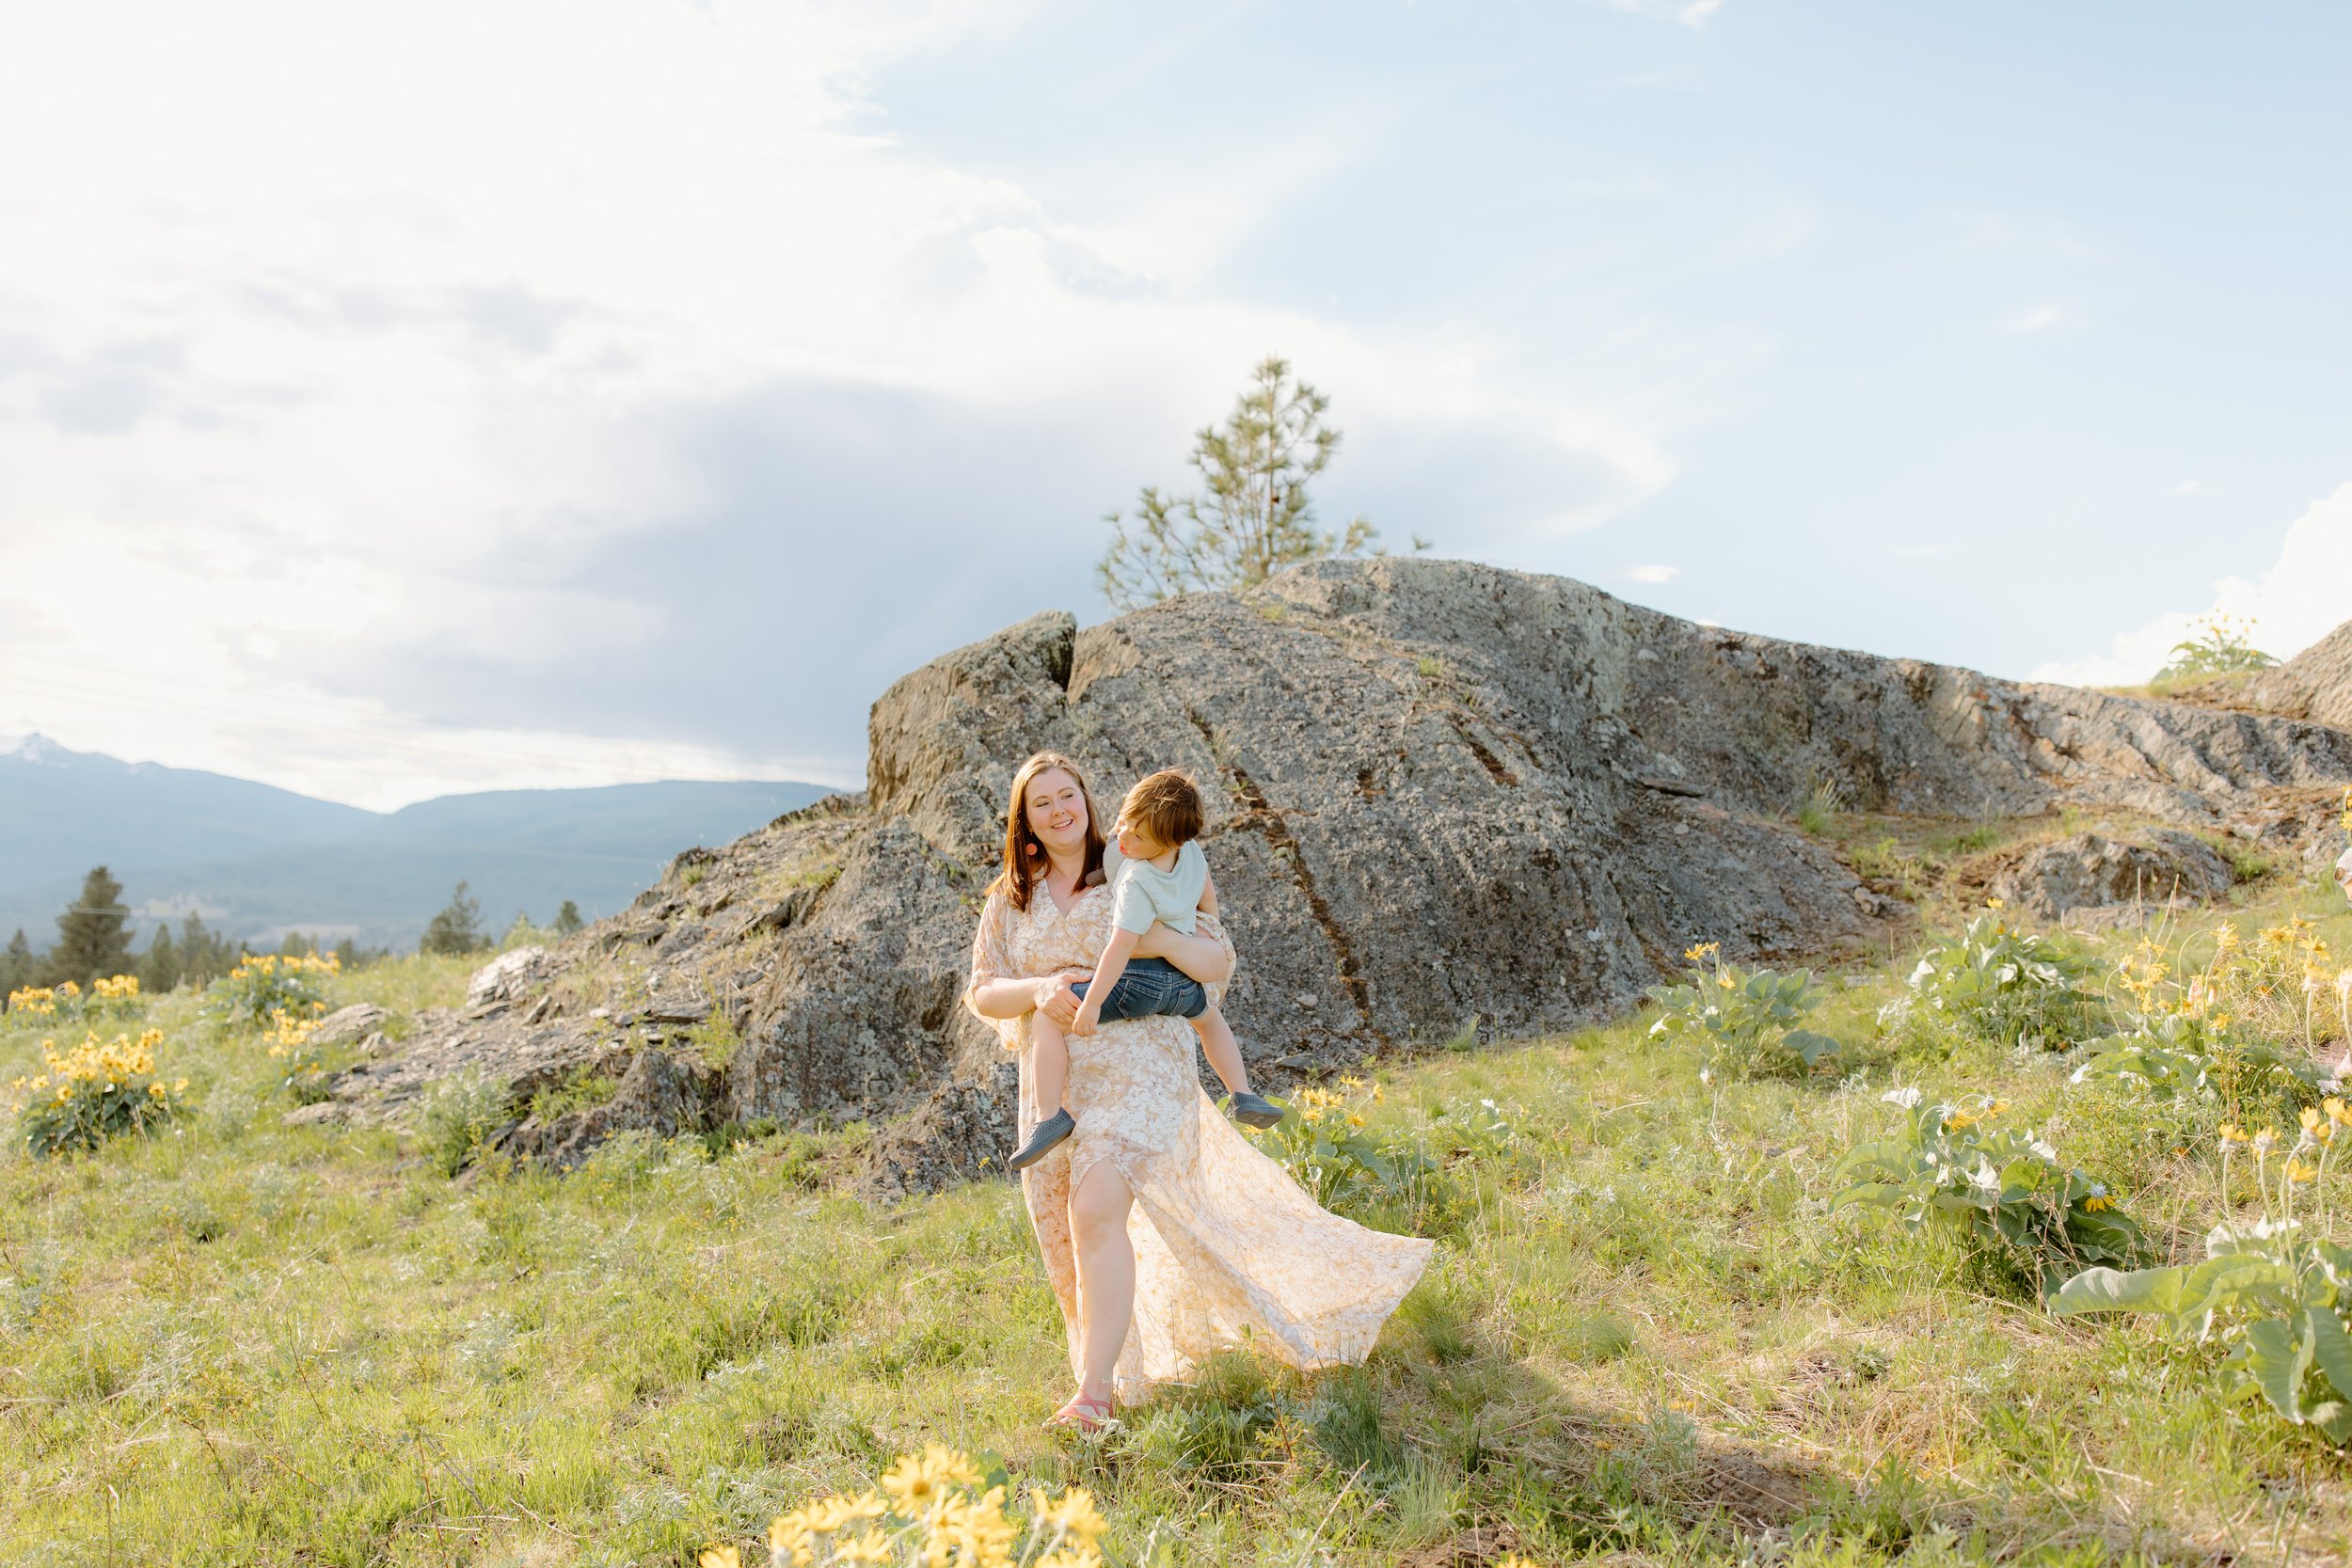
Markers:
{"x": 2330, "y": 1347}
{"x": 1810, "y": 1045}
{"x": 2111, "y": 1290}
{"x": 2236, "y": 1280}
{"x": 2275, "y": 1359}
{"x": 2333, "y": 1417}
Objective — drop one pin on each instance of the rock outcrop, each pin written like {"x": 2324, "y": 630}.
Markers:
{"x": 2087, "y": 871}
{"x": 2315, "y": 684}
{"x": 1439, "y": 794}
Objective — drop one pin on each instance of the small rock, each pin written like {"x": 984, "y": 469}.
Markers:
{"x": 348, "y": 1024}
{"x": 505, "y": 977}
{"x": 325, "y": 1113}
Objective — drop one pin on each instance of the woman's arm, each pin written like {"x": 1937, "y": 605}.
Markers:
{"x": 1208, "y": 958}
{"x": 1009, "y": 997}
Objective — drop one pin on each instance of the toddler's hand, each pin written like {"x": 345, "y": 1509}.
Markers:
{"x": 1083, "y": 1024}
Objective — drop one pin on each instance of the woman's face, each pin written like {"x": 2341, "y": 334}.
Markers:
{"x": 1057, "y": 810}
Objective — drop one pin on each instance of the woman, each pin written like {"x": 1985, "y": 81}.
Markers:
{"x": 1165, "y": 1233}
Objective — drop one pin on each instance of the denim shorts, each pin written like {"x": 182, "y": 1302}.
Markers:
{"x": 1151, "y": 988}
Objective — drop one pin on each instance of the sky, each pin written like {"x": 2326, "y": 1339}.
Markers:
{"x": 404, "y": 400}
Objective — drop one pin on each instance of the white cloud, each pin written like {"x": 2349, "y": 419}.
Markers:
{"x": 1652, "y": 574}
{"x": 2186, "y": 487}
{"x": 334, "y": 343}
{"x": 2305, "y": 595}
{"x": 2036, "y": 319}
{"x": 1690, "y": 13}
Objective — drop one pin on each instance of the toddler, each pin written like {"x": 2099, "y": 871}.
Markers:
{"x": 1157, "y": 875}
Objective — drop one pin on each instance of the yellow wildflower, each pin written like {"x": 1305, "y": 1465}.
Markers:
{"x": 2232, "y": 1133}
{"x": 831, "y": 1514}
{"x": 789, "y": 1538}
{"x": 978, "y": 1528}
{"x": 1996, "y": 903}
{"x": 2098, "y": 1204}
{"x": 2297, "y": 1171}
{"x": 720, "y": 1557}
{"x": 871, "y": 1546}
{"x": 1075, "y": 1515}
{"x": 1702, "y": 952}
{"x": 1725, "y": 980}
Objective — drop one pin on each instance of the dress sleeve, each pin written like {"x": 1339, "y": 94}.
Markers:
{"x": 992, "y": 959}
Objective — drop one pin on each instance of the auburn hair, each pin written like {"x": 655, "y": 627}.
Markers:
{"x": 1025, "y": 860}
{"x": 1166, "y": 805}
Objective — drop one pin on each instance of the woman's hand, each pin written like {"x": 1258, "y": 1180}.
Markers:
{"x": 1056, "y": 999}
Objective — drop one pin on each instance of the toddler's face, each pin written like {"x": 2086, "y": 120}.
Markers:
{"x": 1136, "y": 844}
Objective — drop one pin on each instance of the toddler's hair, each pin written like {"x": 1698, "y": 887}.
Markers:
{"x": 1166, "y": 805}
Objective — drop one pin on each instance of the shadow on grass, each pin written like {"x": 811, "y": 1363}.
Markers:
{"x": 1458, "y": 1454}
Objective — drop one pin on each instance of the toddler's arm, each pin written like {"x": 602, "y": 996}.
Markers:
{"x": 1116, "y": 953}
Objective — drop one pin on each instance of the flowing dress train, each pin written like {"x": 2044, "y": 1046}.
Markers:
{"x": 1228, "y": 1249}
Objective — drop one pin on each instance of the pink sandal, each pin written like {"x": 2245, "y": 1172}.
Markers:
{"x": 1083, "y": 1415}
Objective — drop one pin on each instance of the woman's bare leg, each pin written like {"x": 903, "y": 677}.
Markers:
{"x": 1106, "y": 1274}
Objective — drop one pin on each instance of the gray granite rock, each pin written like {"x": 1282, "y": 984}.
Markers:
{"x": 1436, "y": 791}
{"x": 2168, "y": 868}
{"x": 2315, "y": 684}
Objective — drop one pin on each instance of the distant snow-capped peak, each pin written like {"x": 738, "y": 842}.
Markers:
{"x": 38, "y": 748}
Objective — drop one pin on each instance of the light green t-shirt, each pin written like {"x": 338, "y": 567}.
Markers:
{"x": 1141, "y": 893}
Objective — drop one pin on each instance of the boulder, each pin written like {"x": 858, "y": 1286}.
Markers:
{"x": 349, "y": 1026}
{"x": 508, "y": 977}
{"x": 2171, "y": 869}
{"x": 1436, "y": 792}
{"x": 2315, "y": 684}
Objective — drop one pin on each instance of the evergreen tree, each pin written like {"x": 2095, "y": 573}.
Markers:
{"x": 456, "y": 928}
{"x": 92, "y": 936}
{"x": 16, "y": 965}
{"x": 297, "y": 945}
{"x": 159, "y": 968}
{"x": 347, "y": 954}
{"x": 1255, "y": 519}
{"x": 568, "y": 919}
{"x": 204, "y": 956}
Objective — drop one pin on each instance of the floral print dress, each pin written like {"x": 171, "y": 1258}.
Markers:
{"x": 1228, "y": 1249}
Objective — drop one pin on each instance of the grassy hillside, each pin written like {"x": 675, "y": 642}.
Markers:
{"x": 1649, "y": 1333}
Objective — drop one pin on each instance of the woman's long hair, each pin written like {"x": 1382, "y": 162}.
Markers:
{"x": 1025, "y": 861}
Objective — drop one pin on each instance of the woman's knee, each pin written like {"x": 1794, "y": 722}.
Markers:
{"x": 1100, "y": 1201}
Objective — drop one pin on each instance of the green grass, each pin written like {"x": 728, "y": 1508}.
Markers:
{"x": 1646, "y": 1333}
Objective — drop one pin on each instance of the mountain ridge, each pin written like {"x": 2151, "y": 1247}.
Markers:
{"x": 259, "y": 859}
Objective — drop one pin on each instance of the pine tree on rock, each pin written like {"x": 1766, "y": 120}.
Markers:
{"x": 93, "y": 937}
{"x": 457, "y": 928}
{"x": 1255, "y": 518}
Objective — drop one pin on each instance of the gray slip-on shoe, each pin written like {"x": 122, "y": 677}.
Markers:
{"x": 1050, "y": 1131}
{"x": 1253, "y": 1109}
